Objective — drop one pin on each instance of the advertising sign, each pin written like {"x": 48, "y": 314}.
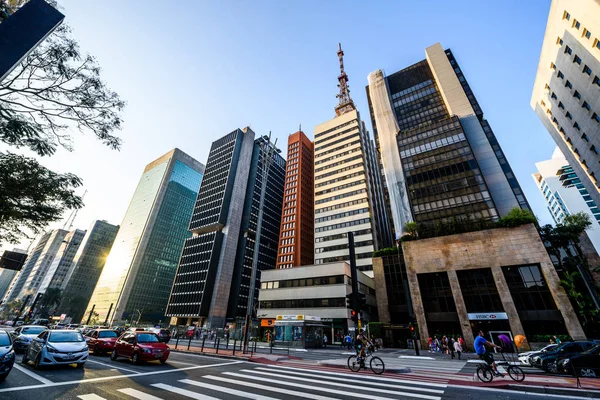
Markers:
{"x": 487, "y": 316}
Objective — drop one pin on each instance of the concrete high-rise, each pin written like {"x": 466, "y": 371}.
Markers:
{"x": 565, "y": 194}
{"x": 440, "y": 157}
{"x": 213, "y": 278}
{"x": 347, "y": 186}
{"x": 296, "y": 237}
{"x": 140, "y": 268}
{"x": 80, "y": 279}
{"x": 35, "y": 268}
{"x": 60, "y": 267}
{"x": 566, "y": 92}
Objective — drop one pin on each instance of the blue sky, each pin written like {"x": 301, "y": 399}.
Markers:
{"x": 192, "y": 71}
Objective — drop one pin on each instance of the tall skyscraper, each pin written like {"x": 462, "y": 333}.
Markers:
{"x": 213, "y": 278}
{"x": 60, "y": 267}
{"x": 565, "y": 194}
{"x": 38, "y": 270}
{"x": 79, "y": 281}
{"x": 140, "y": 268}
{"x": 567, "y": 86}
{"x": 440, "y": 157}
{"x": 296, "y": 237}
{"x": 347, "y": 182}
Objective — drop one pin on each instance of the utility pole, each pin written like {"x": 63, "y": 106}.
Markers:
{"x": 267, "y": 151}
{"x": 354, "y": 275}
{"x": 108, "y": 314}
{"x": 90, "y": 316}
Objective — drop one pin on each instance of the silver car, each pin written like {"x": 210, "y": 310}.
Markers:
{"x": 57, "y": 347}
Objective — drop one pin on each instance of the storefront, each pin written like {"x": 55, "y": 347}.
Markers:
{"x": 302, "y": 331}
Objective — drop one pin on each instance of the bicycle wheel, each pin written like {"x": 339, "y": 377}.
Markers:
{"x": 485, "y": 374}
{"x": 516, "y": 373}
{"x": 353, "y": 364}
{"x": 377, "y": 365}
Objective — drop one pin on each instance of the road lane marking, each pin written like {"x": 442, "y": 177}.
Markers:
{"x": 91, "y": 396}
{"x": 110, "y": 378}
{"x": 234, "y": 392}
{"x": 387, "y": 385}
{"x": 179, "y": 362}
{"x": 261, "y": 387}
{"x": 183, "y": 392}
{"x": 138, "y": 395}
{"x": 362, "y": 378}
{"x": 114, "y": 366}
{"x": 418, "y": 357}
{"x": 32, "y": 374}
{"x": 322, "y": 389}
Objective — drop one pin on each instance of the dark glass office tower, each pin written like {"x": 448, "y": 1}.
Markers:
{"x": 213, "y": 277}
{"x": 440, "y": 157}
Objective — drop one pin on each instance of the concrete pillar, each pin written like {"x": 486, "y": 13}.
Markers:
{"x": 383, "y": 309}
{"x": 461, "y": 309}
{"x": 415, "y": 294}
{"x": 507, "y": 303}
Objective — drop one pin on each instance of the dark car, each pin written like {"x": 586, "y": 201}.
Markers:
{"x": 548, "y": 361}
{"x": 23, "y": 335}
{"x": 102, "y": 341}
{"x": 7, "y": 355}
{"x": 140, "y": 346}
{"x": 163, "y": 334}
{"x": 586, "y": 364}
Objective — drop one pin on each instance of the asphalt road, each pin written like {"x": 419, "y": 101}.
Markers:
{"x": 188, "y": 376}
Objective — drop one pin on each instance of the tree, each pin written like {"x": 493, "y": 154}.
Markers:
{"x": 411, "y": 228}
{"x": 51, "y": 297}
{"x": 54, "y": 90}
{"x": 516, "y": 217}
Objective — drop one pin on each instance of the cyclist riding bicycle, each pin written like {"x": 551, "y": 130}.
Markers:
{"x": 362, "y": 341}
{"x": 485, "y": 355}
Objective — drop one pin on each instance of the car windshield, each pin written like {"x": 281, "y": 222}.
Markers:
{"x": 64, "y": 337}
{"x": 147, "y": 338}
{"x": 592, "y": 349}
{"x": 4, "y": 339}
{"x": 107, "y": 334}
{"x": 32, "y": 330}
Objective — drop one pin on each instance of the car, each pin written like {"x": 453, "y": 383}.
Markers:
{"x": 72, "y": 326}
{"x": 548, "y": 360}
{"x": 140, "y": 346}
{"x": 163, "y": 334}
{"x": 102, "y": 341}
{"x": 586, "y": 364}
{"x": 23, "y": 335}
{"x": 57, "y": 347}
{"x": 526, "y": 357}
{"x": 41, "y": 321}
{"x": 7, "y": 355}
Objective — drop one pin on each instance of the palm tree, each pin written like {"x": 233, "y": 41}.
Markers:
{"x": 51, "y": 298}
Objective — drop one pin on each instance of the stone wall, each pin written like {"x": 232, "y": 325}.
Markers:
{"x": 491, "y": 248}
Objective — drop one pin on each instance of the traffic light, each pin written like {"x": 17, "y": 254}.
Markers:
{"x": 349, "y": 300}
{"x": 362, "y": 301}
{"x": 412, "y": 329}
{"x": 353, "y": 315}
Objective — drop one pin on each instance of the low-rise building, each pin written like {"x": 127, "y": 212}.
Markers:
{"x": 318, "y": 291}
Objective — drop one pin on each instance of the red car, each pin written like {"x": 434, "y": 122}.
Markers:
{"x": 140, "y": 347}
{"x": 102, "y": 341}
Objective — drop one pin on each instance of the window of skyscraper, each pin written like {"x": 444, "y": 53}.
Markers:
{"x": 569, "y": 84}
{"x": 577, "y": 24}
{"x": 568, "y": 50}
{"x": 561, "y": 75}
{"x": 596, "y": 117}
{"x": 576, "y": 94}
{"x": 566, "y": 16}
{"x": 587, "y": 33}
{"x": 577, "y": 59}
{"x": 586, "y": 105}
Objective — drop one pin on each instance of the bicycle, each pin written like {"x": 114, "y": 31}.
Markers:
{"x": 375, "y": 363}
{"x": 485, "y": 372}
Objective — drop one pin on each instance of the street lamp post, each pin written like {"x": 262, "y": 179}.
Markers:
{"x": 267, "y": 151}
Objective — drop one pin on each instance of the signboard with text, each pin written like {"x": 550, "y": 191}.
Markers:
{"x": 487, "y": 316}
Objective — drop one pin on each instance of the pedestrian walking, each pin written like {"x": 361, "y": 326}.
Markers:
{"x": 458, "y": 348}
{"x": 430, "y": 344}
{"x": 461, "y": 341}
{"x": 436, "y": 343}
{"x": 324, "y": 340}
{"x": 444, "y": 345}
{"x": 349, "y": 341}
{"x": 556, "y": 340}
{"x": 451, "y": 342}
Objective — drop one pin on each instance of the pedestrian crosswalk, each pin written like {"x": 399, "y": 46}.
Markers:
{"x": 271, "y": 382}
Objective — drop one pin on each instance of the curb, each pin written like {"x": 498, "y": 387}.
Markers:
{"x": 398, "y": 370}
{"x": 562, "y": 391}
{"x": 211, "y": 355}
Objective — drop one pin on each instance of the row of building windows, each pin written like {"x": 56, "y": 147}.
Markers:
{"x": 342, "y": 215}
{"x": 341, "y": 178}
{"x": 341, "y": 205}
{"x": 343, "y": 258}
{"x": 342, "y": 235}
{"x": 337, "y": 156}
{"x": 340, "y": 196}
{"x": 353, "y": 166}
{"x": 337, "y": 148}
{"x": 288, "y": 283}
{"x": 337, "y": 141}
{"x": 303, "y": 303}
{"x": 342, "y": 246}
{"x": 585, "y": 33}
{"x": 319, "y": 135}
{"x": 343, "y": 225}
{"x": 344, "y": 186}
{"x": 338, "y": 163}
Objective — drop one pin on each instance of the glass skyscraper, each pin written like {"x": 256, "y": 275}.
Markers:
{"x": 136, "y": 280}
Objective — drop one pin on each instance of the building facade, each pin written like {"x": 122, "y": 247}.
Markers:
{"x": 11, "y": 263}
{"x": 566, "y": 93}
{"x": 79, "y": 281}
{"x": 296, "y": 236}
{"x": 312, "y": 291}
{"x": 347, "y": 186}
{"x": 149, "y": 243}
{"x": 212, "y": 283}
{"x": 63, "y": 262}
{"x": 501, "y": 281}
{"x": 440, "y": 157}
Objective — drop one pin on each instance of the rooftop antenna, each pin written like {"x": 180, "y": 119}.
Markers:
{"x": 300, "y": 128}
{"x": 346, "y": 104}
{"x": 71, "y": 220}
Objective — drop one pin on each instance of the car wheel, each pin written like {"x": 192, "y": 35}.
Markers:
{"x": 136, "y": 359}
{"x": 113, "y": 355}
{"x": 163, "y": 360}
{"x": 551, "y": 367}
{"x": 587, "y": 372}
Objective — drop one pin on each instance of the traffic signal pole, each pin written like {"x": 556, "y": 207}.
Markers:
{"x": 354, "y": 275}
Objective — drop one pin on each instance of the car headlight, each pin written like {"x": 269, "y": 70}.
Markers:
{"x": 146, "y": 350}
{"x": 566, "y": 361}
{"x": 86, "y": 348}
{"x": 8, "y": 356}
{"x": 51, "y": 349}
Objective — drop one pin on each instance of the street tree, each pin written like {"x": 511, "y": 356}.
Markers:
{"x": 54, "y": 91}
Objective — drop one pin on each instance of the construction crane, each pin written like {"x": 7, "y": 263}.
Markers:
{"x": 71, "y": 220}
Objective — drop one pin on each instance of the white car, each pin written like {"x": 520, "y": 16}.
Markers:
{"x": 57, "y": 347}
{"x": 526, "y": 358}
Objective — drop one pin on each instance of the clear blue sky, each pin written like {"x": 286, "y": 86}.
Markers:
{"x": 192, "y": 71}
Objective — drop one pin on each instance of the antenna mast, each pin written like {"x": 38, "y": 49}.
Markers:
{"x": 71, "y": 220}
{"x": 346, "y": 104}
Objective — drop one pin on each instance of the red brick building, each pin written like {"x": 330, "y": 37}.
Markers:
{"x": 296, "y": 237}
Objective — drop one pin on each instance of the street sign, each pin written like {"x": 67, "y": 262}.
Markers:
{"x": 487, "y": 316}
{"x": 63, "y": 316}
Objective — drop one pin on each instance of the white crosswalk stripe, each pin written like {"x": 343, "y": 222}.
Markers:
{"x": 334, "y": 391}
{"x": 386, "y": 385}
{"x": 138, "y": 395}
{"x": 90, "y": 396}
{"x": 263, "y": 387}
{"x": 227, "y": 390}
{"x": 183, "y": 392}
